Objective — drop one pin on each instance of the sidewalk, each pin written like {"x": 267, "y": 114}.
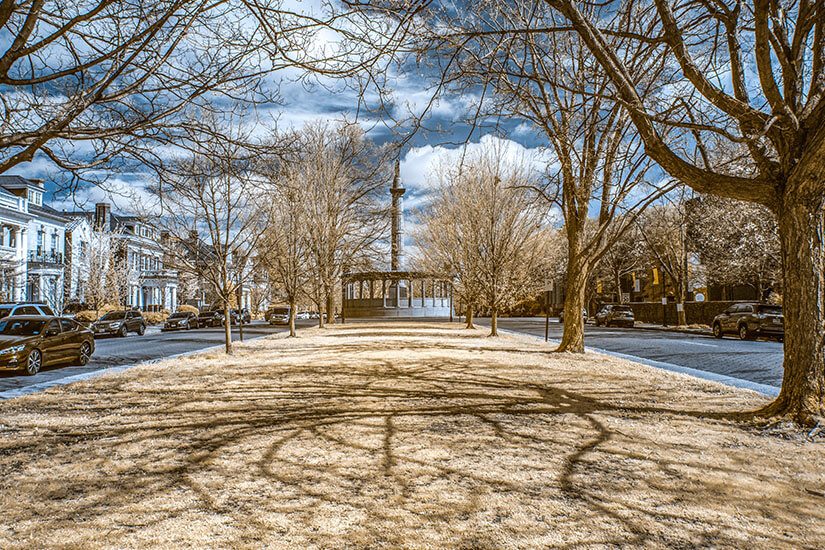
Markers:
{"x": 403, "y": 435}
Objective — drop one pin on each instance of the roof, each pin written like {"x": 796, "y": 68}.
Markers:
{"x": 48, "y": 212}
{"x": 19, "y": 181}
{"x": 116, "y": 221}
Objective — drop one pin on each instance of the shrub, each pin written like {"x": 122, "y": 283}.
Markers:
{"x": 156, "y": 317}
{"x": 185, "y": 308}
{"x": 90, "y": 315}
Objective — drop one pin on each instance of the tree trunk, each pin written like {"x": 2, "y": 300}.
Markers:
{"x": 618, "y": 283}
{"x": 801, "y": 223}
{"x": 227, "y": 326}
{"x": 470, "y": 316}
{"x": 494, "y": 322}
{"x": 292, "y": 317}
{"x": 330, "y": 309}
{"x": 572, "y": 339}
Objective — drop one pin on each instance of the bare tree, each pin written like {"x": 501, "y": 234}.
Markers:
{"x": 483, "y": 229}
{"x": 663, "y": 229}
{"x": 778, "y": 119}
{"x": 103, "y": 271}
{"x": 89, "y": 82}
{"x": 550, "y": 81}
{"x": 206, "y": 205}
{"x": 284, "y": 248}
{"x": 342, "y": 175}
{"x": 738, "y": 242}
{"x": 620, "y": 260}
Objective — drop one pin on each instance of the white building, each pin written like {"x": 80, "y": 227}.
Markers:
{"x": 151, "y": 286}
{"x": 31, "y": 243}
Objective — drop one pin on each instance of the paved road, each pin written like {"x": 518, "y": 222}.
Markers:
{"x": 114, "y": 352}
{"x": 757, "y": 361}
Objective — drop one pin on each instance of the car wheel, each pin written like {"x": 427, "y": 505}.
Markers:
{"x": 744, "y": 333}
{"x": 34, "y": 362}
{"x": 141, "y": 329}
{"x": 123, "y": 331}
{"x": 85, "y": 353}
{"x": 717, "y": 330}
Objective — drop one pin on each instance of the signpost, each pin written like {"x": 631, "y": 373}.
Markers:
{"x": 546, "y": 315}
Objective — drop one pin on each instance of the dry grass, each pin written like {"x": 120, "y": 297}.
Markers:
{"x": 401, "y": 436}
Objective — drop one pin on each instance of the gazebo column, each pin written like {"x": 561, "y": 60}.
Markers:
{"x": 434, "y": 291}
{"x": 372, "y": 289}
{"x": 412, "y": 293}
{"x": 384, "y": 291}
{"x": 398, "y": 294}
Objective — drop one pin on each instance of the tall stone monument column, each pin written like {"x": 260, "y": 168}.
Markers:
{"x": 397, "y": 242}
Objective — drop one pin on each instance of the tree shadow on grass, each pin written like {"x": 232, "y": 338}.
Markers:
{"x": 350, "y": 450}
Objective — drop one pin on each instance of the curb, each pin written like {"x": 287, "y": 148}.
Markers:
{"x": 741, "y": 383}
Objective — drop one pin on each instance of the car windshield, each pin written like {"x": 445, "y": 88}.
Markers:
{"x": 625, "y": 309}
{"x": 113, "y": 316}
{"x": 5, "y": 312}
{"x": 770, "y": 310}
{"x": 181, "y": 315}
{"x": 21, "y": 327}
{"x": 280, "y": 311}
{"x": 208, "y": 313}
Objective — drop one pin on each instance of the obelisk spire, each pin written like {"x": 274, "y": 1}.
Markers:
{"x": 397, "y": 238}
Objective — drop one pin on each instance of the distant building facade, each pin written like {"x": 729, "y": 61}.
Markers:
{"x": 151, "y": 286}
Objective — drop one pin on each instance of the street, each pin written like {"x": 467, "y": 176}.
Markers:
{"x": 116, "y": 352}
{"x": 758, "y": 361}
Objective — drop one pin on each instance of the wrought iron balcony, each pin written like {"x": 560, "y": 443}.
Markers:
{"x": 54, "y": 258}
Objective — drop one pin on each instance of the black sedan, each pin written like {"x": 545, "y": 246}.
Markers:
{"x": 29, "y": 342}
{"x": 181, "y": 320}
{"x": 210, "y": 318}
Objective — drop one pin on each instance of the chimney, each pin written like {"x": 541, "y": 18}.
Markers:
{"x": 193, "y": 236}
{"x": 164, "y": 238}
{"x": 103, "y": 216}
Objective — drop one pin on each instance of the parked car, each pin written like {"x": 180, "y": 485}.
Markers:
{"x": 278, "y": 315}
{"x": 302, "y": 315}
{"x": 181, "y": 320}
{"x": 241, "y": 315}
{"x": 211, "y": 318}
{"x": 24, "y": 308}
{"x": 30, "y": 342}
{"x": 561, "y": 315}
{"x": 120, "y": 323}
{"x": 750, "y": 320}
{"x": 615, "y": 315}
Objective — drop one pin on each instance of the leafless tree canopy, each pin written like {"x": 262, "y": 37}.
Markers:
{"x": 485, "y": 230}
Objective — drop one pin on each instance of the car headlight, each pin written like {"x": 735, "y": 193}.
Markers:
{"x": 116, "y": 324}
{"x": 13, "y": 349}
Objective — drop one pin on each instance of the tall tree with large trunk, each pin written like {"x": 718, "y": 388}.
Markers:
{"x": 550, "y": 81}
{"x": 778, "y": 115}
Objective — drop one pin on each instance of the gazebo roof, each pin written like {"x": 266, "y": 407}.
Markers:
{"x": 387, "y": 276}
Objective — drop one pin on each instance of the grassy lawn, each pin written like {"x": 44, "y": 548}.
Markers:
{"x": 402, "y": 436}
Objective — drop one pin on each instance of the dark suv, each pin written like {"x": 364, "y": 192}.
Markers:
{"x": 750, "y": 320}
{"x": 120, "y": 322}
{"x": 616, "y": 315}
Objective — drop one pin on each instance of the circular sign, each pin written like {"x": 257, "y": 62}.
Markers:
{"x": 699, "y": 297}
